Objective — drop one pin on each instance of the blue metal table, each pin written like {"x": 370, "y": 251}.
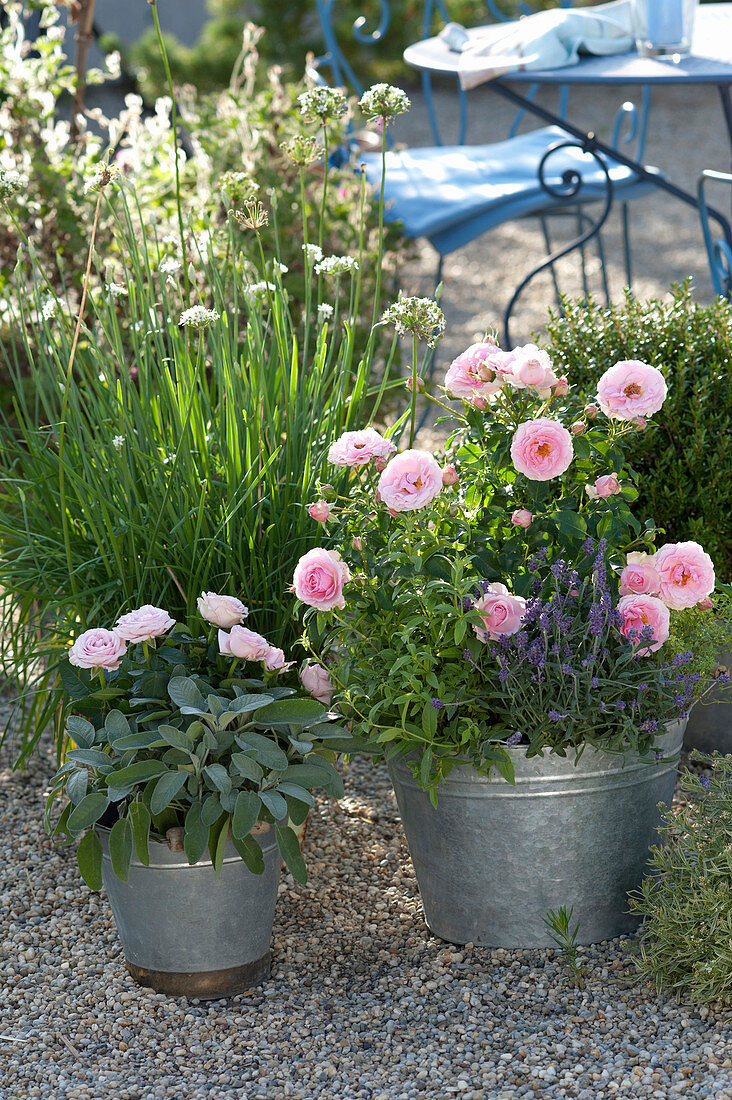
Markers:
{"x": 710, "y": 63}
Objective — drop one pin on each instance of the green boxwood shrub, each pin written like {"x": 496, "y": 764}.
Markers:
{"x": 686, "y": 459}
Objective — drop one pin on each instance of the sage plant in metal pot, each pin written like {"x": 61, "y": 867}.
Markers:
{"x": 493, "y": 624}
{"x": 189, "y": 767}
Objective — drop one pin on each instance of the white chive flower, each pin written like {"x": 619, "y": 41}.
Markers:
{"x": 320, "y": 103}
{"x": 198, "y": 317}
{"x": 11, "y": 182}
{"x": 336, "y": 265}
{"x": 313, "y": 253}
{"x": 384, "y": 101}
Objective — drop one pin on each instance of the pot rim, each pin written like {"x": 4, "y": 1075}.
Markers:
{"x": 549, "y": 767}
{"x": 175, "y": 861}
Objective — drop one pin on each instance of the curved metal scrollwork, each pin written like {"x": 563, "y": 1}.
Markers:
{"x": 631, "y": 125}
{"x": 719, "y": 250}
{"x": 566, "y": 191}
{"x": 370, "y": 38}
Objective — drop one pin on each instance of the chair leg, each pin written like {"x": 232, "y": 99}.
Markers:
{"x": 603, "y": 268}
{"x": 626, "y": 244}
{"x": 583, "y": 254}
{"x": 548, "y": 245}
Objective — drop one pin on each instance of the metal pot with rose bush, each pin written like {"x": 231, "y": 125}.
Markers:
{"x": 189, "y": 766}
{"x": 494, "y": 624}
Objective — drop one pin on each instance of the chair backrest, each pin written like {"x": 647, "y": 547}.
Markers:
{"x": 630, "y": 123}
{"x": 338, "y": 38}
{"x": 719, "y": 249}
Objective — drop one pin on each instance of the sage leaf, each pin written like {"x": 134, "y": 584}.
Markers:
{"x": 89, "y": 858}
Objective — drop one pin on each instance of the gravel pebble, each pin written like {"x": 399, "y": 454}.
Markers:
{"x": 363, "y": 1001}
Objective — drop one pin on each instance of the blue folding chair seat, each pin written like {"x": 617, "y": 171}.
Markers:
{"x": 450, "y": 194}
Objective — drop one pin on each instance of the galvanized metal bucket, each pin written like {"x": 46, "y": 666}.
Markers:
{"x": 190, "y": 934}
{"x": 710, "y": 722}
{"x": 492, "y": 859}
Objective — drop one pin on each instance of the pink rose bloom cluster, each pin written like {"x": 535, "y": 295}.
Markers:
{"x": 317, "y": 682}
{"x": 541, "y": 449}
{"x": 411, "y": 481}
{"x": 99, "y": 648}
{"x": 319, "y": 579}
{"x": 640, "y": 611}
{"x": 359, "y": 448}
{"x": 680, "y": 573}
{"x": 247, "y": 645}
{"x": 221, "y": 611}
{"x": 501, "y": 612}
{"x": 483, "y": 370}
{"x": 630, "y": 390}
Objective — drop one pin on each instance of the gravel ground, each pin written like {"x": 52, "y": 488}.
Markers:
{"x": 686, "y": 134}
{"x": 363, "y": 1001}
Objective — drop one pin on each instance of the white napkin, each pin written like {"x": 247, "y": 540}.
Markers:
{"x": 547, "y": 40}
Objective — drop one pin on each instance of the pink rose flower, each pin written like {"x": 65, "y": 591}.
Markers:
{"x": 319, "y": 578}
{"x": 631, "y": 389}
{"x": 532, "y": 369}
{"x": 522, "y": 517}
{"x": 685, "y": 573}
{"x": 541, "y": 449}
{"x": 317, "y": 682}
{"x": 143, "y": 624}
{"x": 98, "y": 648}
{"x": 223, "y": 611}
{"x": 639, "y": 576}
{"x": 320, "y": 511}
{"x": 274, "y": 660}
{"x": 412, "y": 480}
{"x": 607, "y": 486}
{"x": 359, "y": 448}
{"x": 449, "y": 475}
{"x": 245, "y": 644}
{"x": 501, "y": 612}
{"x": 640, "y": 611}
{"x": 471, "y": 375}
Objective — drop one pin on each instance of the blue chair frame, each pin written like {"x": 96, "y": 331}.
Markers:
{"x": 630, "y": 128}
{"x": 718, "y": 249}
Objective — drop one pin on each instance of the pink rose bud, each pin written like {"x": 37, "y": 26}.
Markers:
{"x": 561, "y": 387}
{"x": 392, "y": 513}
{"x": 578, "y": 427}
{"x": 706, "y": 604}
{"x": 380, "y": 464}
{"x": 320, "y": 511}
{"x": 316, "y": 680}
{"x": 641, "y": 423}
{"x": 449, "y": 475}
{"x": 479, "y": 403}
{"x": 420, "y": 385}
{"x": 327, "y": 492}
{"x": 222, "y": 611}
{"x": 357, "y": 543}
{"x": 591, "y": 411}
{"x": 521, "y": 518}
{"x": 607, "y": 486}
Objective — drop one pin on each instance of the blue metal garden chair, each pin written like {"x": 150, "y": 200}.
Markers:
{"x": 451, "y": 194}
{"x": 719, "y": 252}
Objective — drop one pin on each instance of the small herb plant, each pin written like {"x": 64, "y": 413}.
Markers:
{"x": 565, "y": 937}
{"x": 686, "y": 902}
{"x": 171, "y": 733}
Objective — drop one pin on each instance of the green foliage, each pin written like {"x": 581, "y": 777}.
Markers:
{"x": 686, "y": 462}
{"x": 707, "y": 633}
{"x": 686, "y": 938}
{"x": 559, "y": 924}
{"x": 174, "y": 739}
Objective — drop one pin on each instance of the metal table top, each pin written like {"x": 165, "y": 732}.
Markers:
{"x": 710, "y": 61}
